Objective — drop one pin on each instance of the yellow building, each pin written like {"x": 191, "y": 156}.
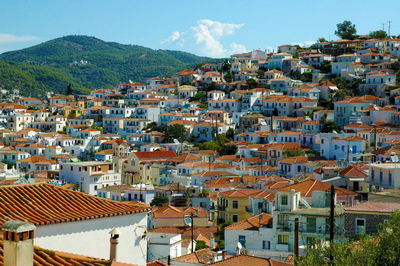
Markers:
{"x": 233, "y": 204}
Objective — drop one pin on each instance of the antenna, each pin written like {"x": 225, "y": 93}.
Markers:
{"x": 389, "y": 22}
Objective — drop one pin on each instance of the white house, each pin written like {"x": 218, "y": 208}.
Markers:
{"x": 79, "y": 223}
{"x": 90, "y": 175}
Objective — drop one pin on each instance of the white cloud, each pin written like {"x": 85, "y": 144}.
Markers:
{"x": 304, "y": 44}
{"x": 175, "y": 36}
{"x": 10, "y": 38}
{"x": 208, "y": 34}
{"x": 237, "y": 48}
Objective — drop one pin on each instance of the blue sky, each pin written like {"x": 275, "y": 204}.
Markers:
{"x": 213, "y": 28}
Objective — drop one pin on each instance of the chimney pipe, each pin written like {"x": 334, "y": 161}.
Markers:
{"x": 114, "y": 240}
{"x": 18, "y": 243}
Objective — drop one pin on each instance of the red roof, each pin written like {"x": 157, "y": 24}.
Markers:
{"x": 307, "y": 187}
{"x": 42, "y": 204}
{"x": 145, "y": 155}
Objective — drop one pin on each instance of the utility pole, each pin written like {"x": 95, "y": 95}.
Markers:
{"x": 383, "y": 26}
{"x": 332, "y": 221}
{"x": 389, "y": 22}
{"x": 191, "y": 216}
{"x": 296, "y": 239}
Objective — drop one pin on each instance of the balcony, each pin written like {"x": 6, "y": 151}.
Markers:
{"x": 282, "y": 247}
{"x": 284, "y": 227}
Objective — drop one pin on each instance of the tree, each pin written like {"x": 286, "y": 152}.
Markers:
{"x": 176, "y": 132}
{"x": 230, "y": 133}
{"x": 327, "y": 126}
{"x": 228, "y": 77}
{"x": 226, "y": 66}
{"x": 381, "y": 249}
{"x": 159, "y": 201}
{"x": 324, "y": 67}
{"x": 293, "y": 153}
{"x": 322, "y": 39}
{"x": 227, "y": 150}
{"x": 200, "y": 244}
{"x": 199, "y": 97}
{"x": 378, "y": 34}
{"x": 346, "y": 30}
{"x": 69, "y": 90}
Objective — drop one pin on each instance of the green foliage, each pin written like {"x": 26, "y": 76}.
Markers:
{"x": 305, "y": 77}
{"x": 200, "y": 244}
{"x": 322, "y": 39}
{"x": 378, "y": 34}
{"x": 220, "y": 145}
{"x": 176, "y": 132}
{"x": 324, "y": 67}
{"x": 53, "y": 65}
{"x": 226, "y": 66}
{"x": 327, "y": 126}
{"x": 230, "y": 133}
{"x": 382, "y": 249}
{"x": 346, "y": 87}
{"x": 98, "y": 128}
{"x": 69, "y": 90}
{"x": 346, "y": 30}
{"x": 199, "y": 97}
{"x": 34, "y": 80}
{"x": 228, "y": 77}
{"x": 252, "y": 83}
{"x": 159, "y": 201}
{"x": 293, "y": 153}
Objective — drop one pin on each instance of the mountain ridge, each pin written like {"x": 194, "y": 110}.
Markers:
{"x": 88, "y": 63}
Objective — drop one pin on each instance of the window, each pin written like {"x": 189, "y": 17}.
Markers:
{"x": 311, "y": 224}
{"x": 283, "y": 239}
{"x": 266, "y": 244}
{"x": 380, "y": 178}
{"x": 235, "y": 218}
{"x": 235, "y": 204}
{"x": 390, "y": 179}
{"x": 360, "y": 225}
{"x": 284, "y": 199}
{"x": 372, "y": 175}
{"x": 260, "y": 205}
{"x": 242, "y": 240}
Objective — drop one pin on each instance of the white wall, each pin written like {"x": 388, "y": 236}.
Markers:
{"x": 92, "y": 238}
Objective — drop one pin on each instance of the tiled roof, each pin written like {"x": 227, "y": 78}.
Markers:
{"x": 243, "y": 260}
{"x": 142, "y": 155}
{"x": 352, "y": 171}
{"x": 50, "y": 257}
{"x": 43, "y": 204}
{"x": 307, "y": 187}
{"x": 156, "y": 263}
{"x": 297, "y": 159}
{"x": 252, "y": 223}
{"x": 168, "y": 211}
{"x": 240, "y": 193}
{"x": 371, "y": 206}
{"x": 186, "y": 232}
{"x": 202, "y": 256}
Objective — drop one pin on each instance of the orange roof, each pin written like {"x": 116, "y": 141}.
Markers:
{"x": 168, "y": 211}
{"x": 242, "y": 260}
{"x": 352, "y": 171}
{"x": 371, "y": 206}
{"x": 240, "y": 193}
{"x": 307, "y": 187}
{"x": 38, "y": 160}
{"x": 252, "y": 223}
{"x": 166, "y": 154}
{"x": 297, "y": 159}
{"x": 34, "y": 202}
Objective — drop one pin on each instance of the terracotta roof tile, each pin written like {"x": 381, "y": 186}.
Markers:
{"x": 42, "y": 204}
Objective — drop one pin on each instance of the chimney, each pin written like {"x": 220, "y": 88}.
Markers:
{"x": 212, "y": 241}
{"x": 114, "y": 240}
{"x": 18, "y": 243}
{"x": 223, "y": 254}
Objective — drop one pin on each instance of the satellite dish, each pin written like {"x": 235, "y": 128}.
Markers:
{"x": 188, "y": 220}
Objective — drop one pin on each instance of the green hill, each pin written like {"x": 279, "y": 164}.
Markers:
{"x": 87, "y": 63}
